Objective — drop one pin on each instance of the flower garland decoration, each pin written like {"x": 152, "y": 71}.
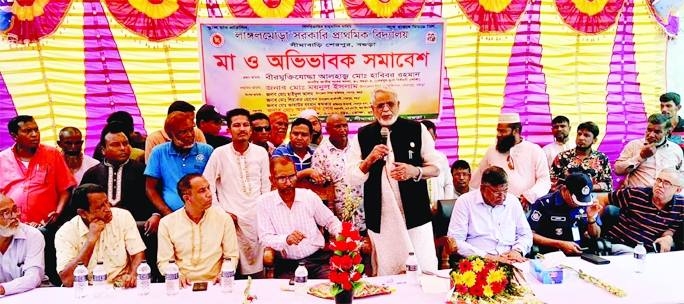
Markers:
{"x": 248, "y": 297}
{"x": 345, "y": 264}
{"x": 493, "y": 16}
{"x": 271, "y": 8}
{"x": 480, "y": 280}
{"x": 383, "y": 8}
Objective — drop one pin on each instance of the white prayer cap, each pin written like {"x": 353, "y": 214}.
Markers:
{"x": 509, "y": 118}
{"x": 307, "y": 113}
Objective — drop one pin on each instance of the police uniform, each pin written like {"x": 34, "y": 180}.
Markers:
{"x": 553, "y": 218}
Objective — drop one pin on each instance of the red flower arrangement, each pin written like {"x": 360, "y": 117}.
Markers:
{"x": 483, "y": 280}
{"x": 345, "y": 264}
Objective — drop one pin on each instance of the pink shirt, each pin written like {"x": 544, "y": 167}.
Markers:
{"x": 277, "y": 221}
{"x": 35, "y": 189}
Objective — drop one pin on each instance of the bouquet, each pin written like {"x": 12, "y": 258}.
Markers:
{"x": 345, "y": 264}
{"x": 481, "y": 280}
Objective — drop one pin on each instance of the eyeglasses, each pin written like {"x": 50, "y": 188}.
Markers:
{"x": 9, "y": 213}
{"x": 509, "y": 159}
{"x": 283, "y": 179}
{"x": 496, "y": 193}
{"x": 665, "y": 184}
{"x": 262, "y": 129}
{"x": 382, "y": 106}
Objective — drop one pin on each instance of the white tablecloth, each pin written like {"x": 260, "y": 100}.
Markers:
{"x": 663, "y": 282}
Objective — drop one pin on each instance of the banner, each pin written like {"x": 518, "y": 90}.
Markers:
{"x": 331, "y": 66}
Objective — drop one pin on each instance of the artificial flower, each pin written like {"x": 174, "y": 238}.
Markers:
{"x": 461, "y": 289}
{"x": 468, "y": 278}
{"x": 495, "y": 276}
{"x": 347, "y": 285}
{"x": 346, "y": 262}
{"x": 490, "y": 264}
{"x": 458, "y": 278}
{"x": 354, "y": 235}
{"x": 487, "y": 291}
{"x": 356, "y": 276}
{"x": 335, "y": 261}
{"x": 482, "y": 275}
{"x": 465, "y": 266}
{"x": 343, "y": 277}
{"x": 346, "y": 228}
{"x": 478, "y": 265}
{"x": 356, "y": 259}
{"x": 477, "y": 291}
{"x": 351, "y": 246}
{"x": 497, "y": 287}
{"x": 333, "y": 277}
{"x": 338, "y": 245}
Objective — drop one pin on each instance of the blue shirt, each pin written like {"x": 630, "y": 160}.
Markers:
{"x": 169, "y": 166}
{"x": 300, "y": 164}
{"x": 553, "y": 218}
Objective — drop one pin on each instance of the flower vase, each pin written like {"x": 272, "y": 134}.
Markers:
{"x": 344, "y": 297}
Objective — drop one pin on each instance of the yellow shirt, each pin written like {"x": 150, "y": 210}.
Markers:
{"x": 182, "y": 240}
{"x": 119, "y": 240}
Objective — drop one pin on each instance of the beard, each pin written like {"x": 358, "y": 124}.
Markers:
{"x": 505, "y": 144}
{"x": 385, "y": 122}
{"x": 315, "y": 136}
{"x": 73, "y": 161}
{"x": 8, "y": 231}
{"x": 562, "y": 137}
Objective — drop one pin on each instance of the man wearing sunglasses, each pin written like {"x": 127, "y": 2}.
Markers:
{"x": 210, "y": 122}
{"x": 21, "y": 251}
{"x": 71, "y": 144}
{"x": 261, "y": 131}
{"x": 649, "y": 215}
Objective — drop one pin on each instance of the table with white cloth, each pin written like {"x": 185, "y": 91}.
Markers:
{"x": 662, "y": 282}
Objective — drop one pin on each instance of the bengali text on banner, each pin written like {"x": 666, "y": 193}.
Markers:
{"x": 331, "y": 66}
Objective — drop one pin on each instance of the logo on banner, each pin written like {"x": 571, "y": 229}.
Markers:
{"x": 430, "y": 37}
{"x": 217, "y": 40}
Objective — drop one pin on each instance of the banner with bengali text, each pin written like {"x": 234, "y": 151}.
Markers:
{"x": 331, "y": 66}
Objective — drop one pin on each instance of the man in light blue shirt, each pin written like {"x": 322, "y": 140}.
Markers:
{"x": 170, "y": 161}
{"x": 490, "y": 222}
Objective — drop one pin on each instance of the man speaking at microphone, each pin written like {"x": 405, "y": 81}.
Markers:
{"x": 392, "y": 158}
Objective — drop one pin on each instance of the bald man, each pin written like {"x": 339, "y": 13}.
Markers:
{"x": 22, "y": 265}
{"x": 71, "y": 144}
{"x": 329, "y": 160}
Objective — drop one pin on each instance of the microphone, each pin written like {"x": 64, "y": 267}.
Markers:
{"x": 384, "y": 132}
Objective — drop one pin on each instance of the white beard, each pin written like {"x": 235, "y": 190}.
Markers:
{"x": 8, "y": 231}
{"x": 391, "y": 121}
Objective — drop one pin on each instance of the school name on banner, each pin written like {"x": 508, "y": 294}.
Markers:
{"x": 331, "y": 66}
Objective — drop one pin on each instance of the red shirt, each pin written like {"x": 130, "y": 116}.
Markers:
{"x": 35, "y": 189}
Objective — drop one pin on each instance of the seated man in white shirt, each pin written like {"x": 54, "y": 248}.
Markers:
{"x": 288, "y": 223}
{"x": 491, "y": 222}
{"x": 21, "y": 251}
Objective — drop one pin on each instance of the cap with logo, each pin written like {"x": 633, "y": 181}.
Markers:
{"x": 579, "y": 185}
{"x": 209, "y": 113}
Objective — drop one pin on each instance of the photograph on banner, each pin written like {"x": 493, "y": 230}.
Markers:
{"x": 331, "y": 66}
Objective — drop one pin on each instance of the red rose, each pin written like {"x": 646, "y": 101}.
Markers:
{"x": 347, "y": 285}
{"x": 477, "y": 291}
{"x": 335, "y": 260}
{"x": 356, "y": 276}
{"x": 342, "y": 277}
{"x": 346, "y": 262}
{"x": 354, "y": 235}
{"x": 339, "y": 245}
{"x": 346, "y": 228}
{"x": 464, "y": 266}
{"x": 356, "y": 259}
{"x": 351, "y": 246}
{"x": 461, "y": 289}
{"x": 333, "y": 276}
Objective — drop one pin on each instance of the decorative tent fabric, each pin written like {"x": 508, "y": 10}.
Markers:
{"x": 383, "y": 8}
{"x": 589, "y": 16}
{"x": 156, "y": 20}
{"x": 271, "y": 8}
{"x": 493, "y": 16}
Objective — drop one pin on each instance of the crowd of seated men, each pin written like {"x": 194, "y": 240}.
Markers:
{"x": 276, "y": 191}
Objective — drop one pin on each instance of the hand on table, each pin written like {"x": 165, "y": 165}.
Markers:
{"x": 129, "y": 280}
{"x": 514, "y": 256}
{"x": 570, "y": 247}
{"x": 184, "y": 281}
{"x": 665, "y": 243}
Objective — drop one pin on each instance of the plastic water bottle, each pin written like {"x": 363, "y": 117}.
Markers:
{"x": 172, "y": 283}
{"x": 301, "y": 276}
{"x": 227, "y": 276}
{"x": 412, "y": 270}
{"x": 99, "y": 280}
{"x": 144, "y": 278}
{"x": 640, "y": 257}
{"x": 80, "y": 281}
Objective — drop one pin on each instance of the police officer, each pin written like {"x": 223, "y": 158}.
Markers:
{"x": 566, "y": 219}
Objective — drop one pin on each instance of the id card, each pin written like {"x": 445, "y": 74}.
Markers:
{"x": 575, "y": 234}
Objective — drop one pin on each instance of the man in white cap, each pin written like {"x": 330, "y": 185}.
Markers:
{"x": 316, "y": 135}
{"x": 524, "y": 162}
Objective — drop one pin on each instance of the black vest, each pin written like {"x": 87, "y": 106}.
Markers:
{"x": 406, "y": 135}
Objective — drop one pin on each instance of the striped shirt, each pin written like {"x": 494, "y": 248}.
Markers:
{"x": 300, "y": 163}
{"x": 640, "y": 220}
{"x": 277, "y": 221}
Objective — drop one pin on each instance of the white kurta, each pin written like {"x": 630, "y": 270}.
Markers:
{"x": 530, "y": 175}
{"x": 442, "y": 186}
{"x": 553, "y": 149}
{"x": 238, "y": 181}
{"x": 394, "y": 242}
